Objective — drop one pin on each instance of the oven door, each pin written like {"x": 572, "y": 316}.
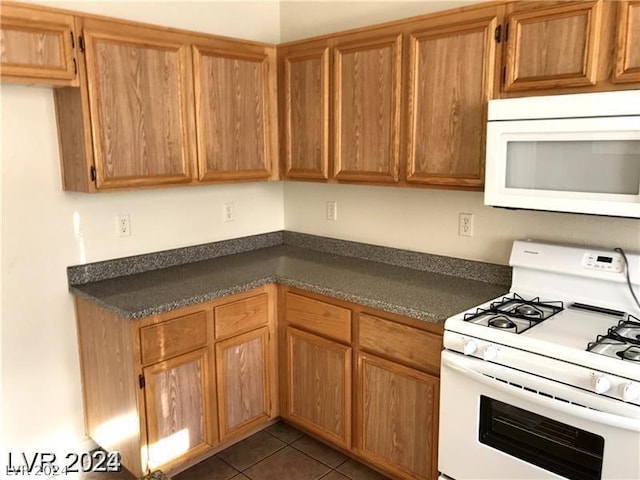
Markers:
{"x": 501, "y": 423}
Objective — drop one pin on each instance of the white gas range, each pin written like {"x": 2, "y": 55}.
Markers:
{"x": 545, "y": 382}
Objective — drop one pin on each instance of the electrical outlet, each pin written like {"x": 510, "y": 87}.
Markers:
{"x": 123, "y": 225}
{"x": 465, "y": 225}
{"x": 332, "y": 210}
{"x": 228, "y": 213}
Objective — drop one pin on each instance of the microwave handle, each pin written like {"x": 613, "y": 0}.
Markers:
{"x": 591, "y": 415}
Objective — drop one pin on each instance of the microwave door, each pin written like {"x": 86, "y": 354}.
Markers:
{"x": 589, "y": 165}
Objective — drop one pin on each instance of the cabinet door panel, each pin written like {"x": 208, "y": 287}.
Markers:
{"x": 306, "y": 92}
{"x": 627, "y": 66}
{"x": 553, "y": 47}
{"x": 451, "y": 80}
{"x": 35, "y": 46}
{"x": 367, "y": 109}
{"x": 318, "y": 385}
{"x": 398, "y": 411}
{"x": 232, "y": 108}
{"x": 141, "y": 106}
{"x": 243, "y": 370}
{"x": 178, "y": 407}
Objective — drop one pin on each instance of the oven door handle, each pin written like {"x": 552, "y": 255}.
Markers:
{"x": 588, "y": 414}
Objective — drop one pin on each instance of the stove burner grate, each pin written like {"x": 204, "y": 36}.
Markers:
{"x": 518, "y": 307}
{"x": 500, "y": 321}
{"x": 631, "y": 353}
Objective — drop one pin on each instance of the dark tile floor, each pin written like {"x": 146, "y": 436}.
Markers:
{"x": 278, "y": 453}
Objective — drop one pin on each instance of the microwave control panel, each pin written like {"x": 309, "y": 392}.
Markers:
{"x": 605, "y": 262}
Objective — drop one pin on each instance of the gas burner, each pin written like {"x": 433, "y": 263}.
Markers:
{"x": 500, "y": 321}
{"x": 528, "y": 310}
{"x": 631, "y": 354}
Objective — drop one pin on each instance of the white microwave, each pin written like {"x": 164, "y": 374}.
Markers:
{"x": 568, "y": 153}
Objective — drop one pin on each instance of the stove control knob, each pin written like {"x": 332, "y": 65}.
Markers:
{"x": 630, "y": 392}
{"x": 600, "y": 383}
{"x": 470, "y": 347}
{"x": 490, "y": 352}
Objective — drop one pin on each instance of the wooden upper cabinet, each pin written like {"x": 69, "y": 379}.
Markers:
{"x": 552, "y": 46}
{"x": 235, "y": 108}
{"x": 627, "y": 60}
{"x": 367, "y": 107}
{"x": 37, "y": 46}
{"x": 453, "y": 72}
{"x": 305, "y": 92}
{"x": 141, "y": 104}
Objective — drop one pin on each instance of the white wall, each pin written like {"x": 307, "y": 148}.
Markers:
{"x": 427, "y": 221}
{"x": 45, "y": 230}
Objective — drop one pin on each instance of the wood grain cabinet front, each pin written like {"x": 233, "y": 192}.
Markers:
{"x": 37, "y": 46}
{"x": 454, "y": 65}
{"x": 318, "y": 386}
{"x": 236, "y": 111}
{"x": 367, "y": 103}
{"x": 304, "y": 93}
{"x": 179, "y": 408}
{"x": 627, "y": 61}
{"x": 397, "y": 418}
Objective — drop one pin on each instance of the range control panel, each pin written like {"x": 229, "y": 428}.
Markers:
{"x": 606, "y": 262}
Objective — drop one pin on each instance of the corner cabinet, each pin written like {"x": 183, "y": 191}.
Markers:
{"x": 304, "y": 71}
{"x": 236, "y": 111}
{"x": 453, "y": 72}
{"x": 175, "y": 387}
{"x": 159, "y": 107}
{"x": 37, "y": 46}
{"x": 367, "y": 103}
{"x": 362, "y": 380}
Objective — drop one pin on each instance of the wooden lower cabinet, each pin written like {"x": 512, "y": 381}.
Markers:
{"x": 318, "y": 386}
{"x": 243, "y": 378}
{"x": 164, "y": 391}
{"x": 179, "y": 407}
{"x": 397, "y": 411}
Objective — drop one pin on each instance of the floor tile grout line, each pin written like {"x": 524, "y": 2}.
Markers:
{"x": 317, "y": 459}
{"x": 264, "y": 458}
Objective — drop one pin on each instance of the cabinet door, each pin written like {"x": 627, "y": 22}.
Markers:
{"x": 553, "y": 47}
{"x": 141, "y": 105}
{"x": 397, "y": 422}
{"x": 452, "y": 67}
{"x": 233, "y": 107}
{"x": 243, "y": 370}
{"x": 318, "y": 385}
{"x": 37, "y": 46}
{"x": 178, "y": 407}
{"x": 627, "y": 62}
{"x": 306, "y": 113}
{"x": 367, "y": 109}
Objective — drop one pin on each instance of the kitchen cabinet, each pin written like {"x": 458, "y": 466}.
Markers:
{"x": 178, "y": 407}
{"x": 552, "y": 47}
{"x": 236, "y": 110}
{"x": 243, "y": 373}
{"x": 367, "y": 102}
{"x": 454, "y": 65}
{"x": 305, "y": 106}
{"x": 37, "y": 45}
{"x": 627, "y": 59}
{"x": 397, "y": 397}
{"x": 137, "y": 123}
{"x": 161, "y": 107}
{"x": 397, "y": 417}
{"x": 170, "y": 388}
{"x": 391, "y": 362}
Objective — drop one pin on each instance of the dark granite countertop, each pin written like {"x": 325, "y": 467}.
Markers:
{"x": 406, "y": 291}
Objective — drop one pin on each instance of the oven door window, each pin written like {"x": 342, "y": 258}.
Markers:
{"x": 560, "y": 448}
